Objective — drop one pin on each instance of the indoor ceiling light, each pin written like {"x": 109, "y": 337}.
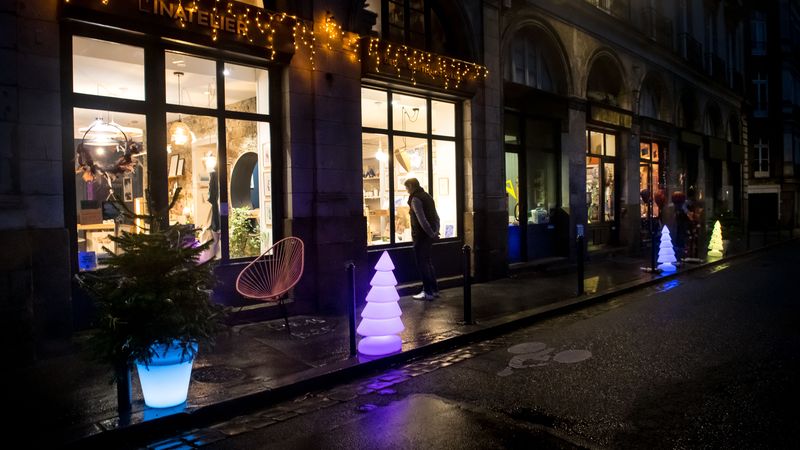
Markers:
{"x": 179, "y": 133}
{"x": 102, "y": 133}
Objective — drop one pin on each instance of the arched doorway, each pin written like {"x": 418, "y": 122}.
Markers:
{"x": 604, "y": 90}
{"x": 535, "y": 90}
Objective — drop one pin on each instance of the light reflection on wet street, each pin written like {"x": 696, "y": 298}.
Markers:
{"x": 706, "y": 360}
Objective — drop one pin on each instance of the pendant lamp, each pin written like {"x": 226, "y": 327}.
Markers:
{"x": 179, "y": 133}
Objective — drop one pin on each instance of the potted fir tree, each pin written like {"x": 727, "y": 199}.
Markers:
{"x": 153, "y": 308}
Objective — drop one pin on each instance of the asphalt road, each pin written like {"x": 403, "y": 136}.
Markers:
{"x": 708, "y": 360}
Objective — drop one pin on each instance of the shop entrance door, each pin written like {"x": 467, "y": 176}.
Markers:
{"x": 601, "y": 187}
{"x": 531, "y": 186}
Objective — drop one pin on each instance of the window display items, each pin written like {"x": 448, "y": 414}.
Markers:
{"x": 89, "y": 168}
{"x": 381, "y": 325}
{"x": 666, "y": 254}
{"x": 715, "y": 246}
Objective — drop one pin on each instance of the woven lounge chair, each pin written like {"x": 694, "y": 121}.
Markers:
{"x": 270, "y": 277}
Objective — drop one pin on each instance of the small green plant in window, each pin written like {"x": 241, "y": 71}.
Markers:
{"x": 245, "y": 238}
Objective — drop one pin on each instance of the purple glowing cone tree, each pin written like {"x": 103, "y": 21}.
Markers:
{"x": 380, "y": 321}
{"x": 666, "y": 254}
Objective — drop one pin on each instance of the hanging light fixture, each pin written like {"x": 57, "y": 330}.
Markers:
{"x": 101, "y": 133}
{"x": 179, "y": 133}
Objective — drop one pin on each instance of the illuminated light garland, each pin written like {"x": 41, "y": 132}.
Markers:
{"x": 258, "y": 23}
{"x": 451, "y": 71}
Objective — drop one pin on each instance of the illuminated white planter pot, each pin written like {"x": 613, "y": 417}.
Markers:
{"x": 165, "y": 381}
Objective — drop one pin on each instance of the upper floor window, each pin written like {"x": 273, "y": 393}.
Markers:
{"x": 760, "y": 93}
{"x": 758, "y": 34}
{"x": 528, "y": 64}
{"x": 415, "y": 23}
{"x": 761, "y": 161}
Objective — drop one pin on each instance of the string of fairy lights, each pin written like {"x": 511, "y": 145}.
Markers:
{"x": 256, "y": 24}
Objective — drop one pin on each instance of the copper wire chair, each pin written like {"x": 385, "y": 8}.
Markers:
{"x": 271, "y": 276}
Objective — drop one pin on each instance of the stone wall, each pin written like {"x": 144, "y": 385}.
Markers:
{"x": 35, "y": 267}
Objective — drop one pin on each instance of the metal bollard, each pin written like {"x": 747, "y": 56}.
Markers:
{"x": 580, "y": 251}
{"x": 653, "y": 251}
{"x": 467, "y": 285}
{"x": 350, "y": 269}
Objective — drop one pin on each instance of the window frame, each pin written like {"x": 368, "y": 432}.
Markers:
{"x": 390, "y": 135}
{"x": 155, "y": 108}
{"x": 604, "y": 159}
{"x": 761, "y": 102}
{"x": 761, "y": 153}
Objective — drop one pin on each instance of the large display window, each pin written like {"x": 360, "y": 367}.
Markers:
{"x": 652, "y": 186}
{"x": 406, "y": 136}
{"x": 600, "y": 185}
{"x": 216, "y": 151}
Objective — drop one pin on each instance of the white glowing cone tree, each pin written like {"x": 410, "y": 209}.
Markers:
{"x": 666, "y": 254}
{"x": 715, "y": 246}
{"x": 380, "y": 321}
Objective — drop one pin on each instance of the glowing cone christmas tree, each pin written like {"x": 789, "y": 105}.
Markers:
{"x": 715, "y": 246}
{"x": 380, "y": 321}
{"x": 666, "y": 254}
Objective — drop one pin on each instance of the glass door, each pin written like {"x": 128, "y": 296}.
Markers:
{"x": 513, "y": 201}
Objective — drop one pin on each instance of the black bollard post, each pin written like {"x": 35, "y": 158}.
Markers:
{"x": 122, "y": 375}
{"x": 653, "y": 251}
{"x": 350, "y": 269}
{"x": 580, "y": 251}
{"x": 467, "y": 285}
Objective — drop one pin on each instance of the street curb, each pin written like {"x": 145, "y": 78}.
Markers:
{"x": 140, "y": 434}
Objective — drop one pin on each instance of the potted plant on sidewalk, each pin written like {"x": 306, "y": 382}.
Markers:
{"x": 153, "y": 308}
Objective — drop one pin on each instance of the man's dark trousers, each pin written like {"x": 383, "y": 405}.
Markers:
{"x": 422, "y": 250}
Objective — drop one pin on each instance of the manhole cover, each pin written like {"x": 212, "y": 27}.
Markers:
{"x": 572, "y": 356}
{"x": 217, "y": 374}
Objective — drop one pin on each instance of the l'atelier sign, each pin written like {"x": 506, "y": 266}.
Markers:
{"x": 238, "y": 22}
{"x": 204, "y": 18}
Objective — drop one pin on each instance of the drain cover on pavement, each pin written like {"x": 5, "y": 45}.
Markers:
{"x": 217, "y": 374}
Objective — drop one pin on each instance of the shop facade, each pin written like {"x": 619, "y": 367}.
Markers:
{"x": 522, "y": 122}
{"x": 642, "y": 127}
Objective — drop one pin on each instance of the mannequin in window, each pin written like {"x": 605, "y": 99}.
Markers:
{"x": 213, "y": 199}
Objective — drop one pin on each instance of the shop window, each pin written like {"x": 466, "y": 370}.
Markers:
{"x": 190, "y": 81}
{"x": 103, "y": 136}
{"x": 107, "y": 69}
{"x": 541, "y": 164}
{"x": 246, "y": 89}
{"x": 410, "y": 145}
{"x": 652, "y": 185}
{"x": 234, "y": 108}
{"x": 600, "y": 173}
{"x": 250, "y": 187}
{"x": 192, "y": 166}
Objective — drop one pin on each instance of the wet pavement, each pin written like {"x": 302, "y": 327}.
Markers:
{"x": 707, "y": 360}
{"x": 73, "y": 399}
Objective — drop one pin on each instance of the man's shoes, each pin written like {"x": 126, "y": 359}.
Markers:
{"x": 436, "y": 294}
{"x": 423, "y": 296}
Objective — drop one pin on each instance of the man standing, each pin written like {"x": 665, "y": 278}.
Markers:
{"x": 424, "y": 230}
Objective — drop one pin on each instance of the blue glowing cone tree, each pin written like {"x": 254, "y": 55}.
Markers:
{"x": 666, "y": 254}
{"x": 380, "y": 321}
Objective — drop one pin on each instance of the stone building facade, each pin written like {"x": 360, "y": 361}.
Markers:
{"x": 547, "y": 117}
